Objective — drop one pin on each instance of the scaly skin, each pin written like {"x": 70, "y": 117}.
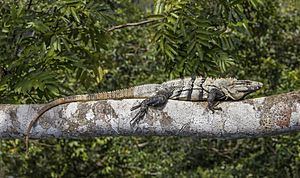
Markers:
{"x": 157, "y": 95}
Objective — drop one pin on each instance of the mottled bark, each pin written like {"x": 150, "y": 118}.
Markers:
{"x": 247, "y": 118}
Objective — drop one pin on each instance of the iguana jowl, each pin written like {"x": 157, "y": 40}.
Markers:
{"x": 157, "y": 95}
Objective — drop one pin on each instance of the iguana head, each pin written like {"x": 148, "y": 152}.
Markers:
{"x": 238, "y": 89}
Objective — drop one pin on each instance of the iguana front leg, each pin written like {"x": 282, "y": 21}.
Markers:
{"x": 214, "y": 95}
{"x": 158, "y": 100}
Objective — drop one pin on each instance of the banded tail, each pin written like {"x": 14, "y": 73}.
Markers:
{"x": 141, "y": 91}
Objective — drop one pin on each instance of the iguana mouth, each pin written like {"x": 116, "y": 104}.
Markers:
{"x": 249, "y": 86}
{"x": 256, "y": 86}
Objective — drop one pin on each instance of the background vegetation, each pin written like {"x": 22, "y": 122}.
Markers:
{"x": 50, "y": 49}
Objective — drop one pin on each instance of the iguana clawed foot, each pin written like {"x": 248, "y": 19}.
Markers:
{"x": 155, "y": 101}
{"x": 213, "y": 99}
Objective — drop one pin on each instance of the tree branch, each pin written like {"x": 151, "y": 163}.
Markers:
{"x": 247, "y": 118}
{"x": 131, "y": 24}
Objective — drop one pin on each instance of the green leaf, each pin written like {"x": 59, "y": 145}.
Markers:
{"x": 191, "y": 46}
{"x": 159, "y": 7}
{"x": 171, "y": 49}
{"x": 66, "y": 44}
{"x": 205, "y": 43}
{"x": 155, "y": 17}
{"x": 5, "y": 30}
{"x": 74, "y": 14}
{"x": 71, "y": 2}
{"x": 42, "y": 27}
{"x": 202, "y": 37}
{"x": 157, "y": 36}
{"x": 176, "y": 16}
{"x": 169, "y": 54}
{"x": 161, "y": 44}
{"x": 168, "y": 25}
{"x": 54, "y": 90}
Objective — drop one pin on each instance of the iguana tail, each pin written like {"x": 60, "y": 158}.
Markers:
{"x": 117, "y": 94}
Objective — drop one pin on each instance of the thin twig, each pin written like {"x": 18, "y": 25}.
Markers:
{"x": 29, "y": 4}
{"x": 131, "y": 24}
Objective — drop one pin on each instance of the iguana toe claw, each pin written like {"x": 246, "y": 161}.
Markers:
{"x": 135, "y": 107}
{"x": 140, "y": 115}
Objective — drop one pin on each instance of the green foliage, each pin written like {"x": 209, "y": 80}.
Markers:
{"x": 45, "y": 44}
{"x": 273, "y": 47}
{"x": 53, "y": 48}
{"x": 194, "y": 36}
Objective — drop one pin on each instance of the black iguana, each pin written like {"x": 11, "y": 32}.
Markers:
{"x": 157, "y": 95}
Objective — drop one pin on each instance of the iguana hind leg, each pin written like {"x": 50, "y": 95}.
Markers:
{"x": 155, "y": 101}
{"x": 214, "y": 96}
